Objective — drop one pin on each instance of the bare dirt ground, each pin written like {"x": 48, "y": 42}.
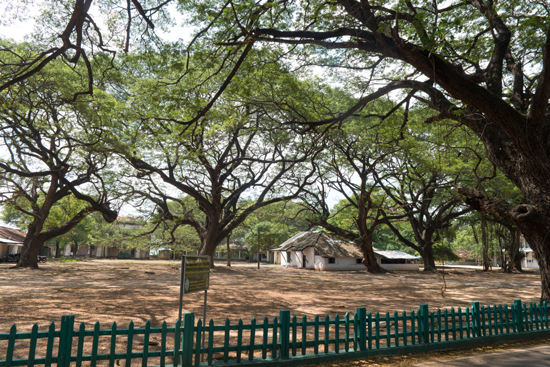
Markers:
{"x": 115, "y": 290}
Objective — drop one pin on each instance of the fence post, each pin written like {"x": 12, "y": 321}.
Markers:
{"x": 519, "y": 315}
{"x": 65, "y": 341}
{"x": 187, "y": 343}
{"x": 285, "y": 333}
{"x": 425, "y": 323}
{"x": 362, "y": 317}
{"x": 476, "y": 319}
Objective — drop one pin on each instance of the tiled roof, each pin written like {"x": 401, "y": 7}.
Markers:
{"x": 328, "y": 245}
{"x": 12, "y": 234}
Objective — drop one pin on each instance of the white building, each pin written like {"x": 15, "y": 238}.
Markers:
{"x": 323, "y": 251}
{"x": 529, "y": 261}
{"x": 11, "y": 241}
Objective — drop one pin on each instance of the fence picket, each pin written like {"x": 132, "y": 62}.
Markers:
{"x": 377, "y": 329}
{"x": 211, "y": 341}
{"x": 294, "y": 337}
{"x": 145, "y": 358}
{"x": 252, "y": 337}
{"x": 395, "y": 328}
{"x": 177, "y": 342}
{"x": 264, "y": 344}
{"x": 316, "y": 336}
{"x": 49, "y": 348}
{"x": 226, "y": 341}
{"x": 327, "y": 329}
{"x": 274, "y": 338}
{"x": 198, "y": 343}
{"x": 304, "y": 334}
{"x": 346, "y": 332}
{"x": 80, "y": 348}
{"x": 453, "y": 324}
{"x": 388, "y": 330}
{"x": 113, "y": 346}
{"x": 11, "y": 345}
{"x": 130, "y": 342}
{"x": 32, "y": 347}
{"x": 163, "y": 345}
{"x": 95, "y": 343}
{"x": 239, "y": 340}
{"x": 405, "y": 328}
{"x": 337, "y": 333}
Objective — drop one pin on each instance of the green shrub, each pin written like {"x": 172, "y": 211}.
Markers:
{"x": 124, "y": 255}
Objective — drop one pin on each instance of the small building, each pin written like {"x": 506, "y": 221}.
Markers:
{"x": 466, "y": 258}
{"x": 11, "y": 241}
{"x": 324, "y": 251}
{"x": 529, "y": 261}
{"x": 238, "y": 251}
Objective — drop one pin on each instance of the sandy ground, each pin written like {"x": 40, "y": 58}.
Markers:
{"x": 115, "y": 290}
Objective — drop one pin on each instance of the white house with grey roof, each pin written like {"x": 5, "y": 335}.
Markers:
{"x": 324, "y": 251}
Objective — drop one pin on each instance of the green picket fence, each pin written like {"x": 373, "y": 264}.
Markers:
{"x": 280, "y": 341}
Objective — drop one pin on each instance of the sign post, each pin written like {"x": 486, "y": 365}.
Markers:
{"x": 195, "y": 277}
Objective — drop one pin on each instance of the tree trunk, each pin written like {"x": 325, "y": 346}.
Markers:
{"x": 536, "y": 237}
{"x": 228, "y": 252}
{"x": 513, "y": 250}
{"x": 208, "y": 248}
{"x": 517, "y": 253}
{"x": 484, "y": 243}
{"x": 428, "y": 259}
{"x": 30, "y": 252}
{"x": 369, "y": 260}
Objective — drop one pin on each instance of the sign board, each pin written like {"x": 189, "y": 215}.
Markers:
{"x": 195, "y": 273}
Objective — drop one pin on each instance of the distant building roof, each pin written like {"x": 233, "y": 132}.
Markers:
{"x": 233, "y": 245}
{"x": 12, "y": 234}
{"x": 328, "y": 245}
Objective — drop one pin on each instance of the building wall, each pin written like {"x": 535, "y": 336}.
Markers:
{"x": 400, "y": 266}
{"x": 529, "y": 261}
{"x": 8, "y": 250}
{"x": 343, "y": 263}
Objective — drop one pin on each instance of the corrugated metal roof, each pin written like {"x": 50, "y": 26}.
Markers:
{"x": 328, "y": 245}
{"x": 394, "y": 254}
{"x": 10, "y": 242}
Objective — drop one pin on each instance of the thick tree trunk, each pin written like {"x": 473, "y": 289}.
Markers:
{"x": 369, "y": 260}
{"x": 428, "y": 258}
{"x": 210, "y": 242}
{"x": 513, "y": 250}
{"x": 30, "y": 252}
{"x": 484, "y": 244}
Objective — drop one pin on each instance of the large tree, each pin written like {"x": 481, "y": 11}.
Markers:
{"x": 481, "y": 63}
{"x": 51, "y": 151}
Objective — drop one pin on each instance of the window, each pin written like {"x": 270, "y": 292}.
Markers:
{"x": 358, "y": 261}
{"x": 331, "y": 260}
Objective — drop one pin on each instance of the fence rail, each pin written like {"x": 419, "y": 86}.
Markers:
{"x": 282, "y": 340}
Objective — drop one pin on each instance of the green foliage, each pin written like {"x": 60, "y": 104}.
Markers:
{"x": 444, "y": 252}
{"x": 273, "y": 225}
{"x": 124, "y": 255}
